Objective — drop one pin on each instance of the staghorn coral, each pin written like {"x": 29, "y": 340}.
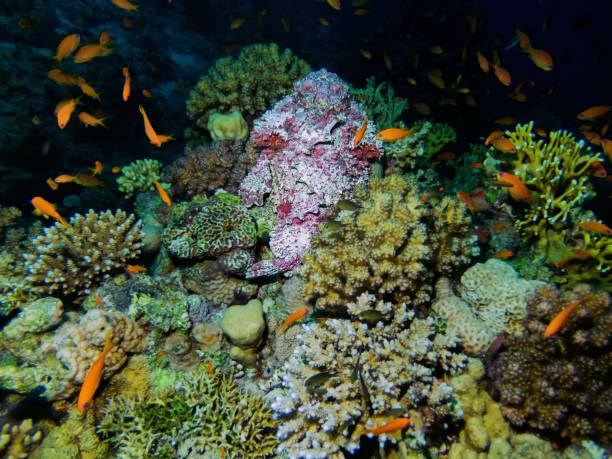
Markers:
{"x": 58, "y": 359}
{"x": 201, "y": 413}
{"x": 140, "y": 176}
{"x": 73, "y": 258}
{"x": 252, "y": 83}
{"x": 367, "y": 375}
{"x": 306, "y": 164}
{"x": 205, "y": 168}
{"x": 389, "y": 246}
{"x": 379, "y": 103}
{"x": 559, "y": 385}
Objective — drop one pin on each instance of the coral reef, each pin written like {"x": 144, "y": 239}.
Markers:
{"x": 166, "y": 312}
{"x": 438, "y": 136}
{"x": 306, "y": 164}
{"x": 202, "y": 414}
{"x": 559, "y": 385}
{"x": 140, "y": 176}
{"x": 379, "y": 103}
{"x": 391, "y": 246}
{"x": 346, "y": 376}
{"x": 227, "y": 127}
{"x": 18, "y": 440}
{"x": 57, "y": 360}
{"x": 76, "y": 257}
{"x": 260, "y": 76}
{"x": 205, "y": 168}
{"x": 244, "y": 326}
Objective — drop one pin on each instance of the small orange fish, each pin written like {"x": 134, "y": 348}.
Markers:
{"x": 606, "y": 145}
{"x": 127, "y": 23}
{"x": 125, "y": 5}
{"x": 209, "y": 367}
{"x": 393, "y": 134}
{"x": 506, "y": 121}
{"x": 412, "y": 81}
{"x": 67, "y": 46}
{"x": 504, "y": 255}
{"x": 445, "y": 156}
{"x": 91, "y": 51}
{"x": 104, "y": 38}
{"x": 593, "y": 137}
{"x": 323, "y": 21}
{"x": 470, "y": 100}
{"x": 52, "y": 184}
{"x": 162, "y": 193}
{"x": 87, "y": 89}
{"x": 47, "y": 209}
{"x": 64, "y": 110}
{"x": 582, "y": 254}
{"x": 292, "y": 318}
{"x": 561, "y": 319}
{"x": 392, "y": 426}
{"x": 163, "y": 138}
{"x": 498, "y": 226}
{"x": 335, "y": 4}
{"x": 361, "y": 12}
{"x": 88, "y": 180}
{"x": 98, "y": 300}
{"x": 59, "y": 77}
{"x": 135, "y": 269}
{"x": 236, "y": 23}
{"x": 469, "y": 202}
{"x": 424, "y": 198}
{"x": 147, "y": 93}
{"x": 64, "y": 178}
{"x": 541, "y": 58}
{"x": 126, "y": 84}
{"x": 493, "y": 136}
{"x": 90, "y": 120}
{"x": 598, "y": 170}
{"x": 360, "y": 132}
{"x": 594, "y": 112}
{"x": 502, "y": 75}
{"x": 541, "y": 132}
{"x": 596, "y": 227}
{"x": 523, "y": 38}
{"x": 476, "y": 165}
{"x": 366, "y": 54}
{"x": 516, "y": 187}
{"x": 94, "y": 375}
{"x": 222, "y": 452}
{"x": 115, "y": 169}
{"x": 483, "y": 63}
{"x": 504, "y": 145}
{"x": 604, "y": 130}
{"x": 97, "y": 169}
{"x": 36, "y": 121}
{"x": 436, "y": 80}
{"x": 149, "y": 131}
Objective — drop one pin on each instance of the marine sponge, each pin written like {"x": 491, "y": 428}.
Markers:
{"x": 140, "y": 176}
{"x": 260, "y": 76}
{"x": 201, "y": 414}
{"x": 74, "y": 258}
{"x": 559, "y": 385}
{"x": 345, "y": 377}
{"x": 205, "y": 168}
{"x": 389, "y": 246}
{"x": 231, "y": 126}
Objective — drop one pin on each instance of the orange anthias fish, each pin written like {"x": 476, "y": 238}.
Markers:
{"x": 97, "y": 169}
{"x": 360, "y": 132}
{"x": 323, "y": 21}
{"x": 561, "y": 319}
{"x": 162, "y": 193}
{"x": 104, "y": 38}
{"x": 87, "y": 89}
{"x": 90, "y": 120}
{"x": 149, "y": 131}
{"x": 469, "y": 202}
{"x": 493, "y": 136}
{"x": 516, "y": 187}
{"x": 606, "y": 145}
{"x": 59, "y": 77}
{"x": 292, "y": 318}
{"x": 68, "y": 44}
{"x": 91, "y": 51}
{"x": 504, "y": 254}
{"x": 135, "y": 269}
{"x": 52, "y": 184}
{"x": 88, "y": 180}
{"x": 146, "y": 93}
{"x": 593, "y": 137}
{"x": 115, "y": 169}
{"x": 335, "y": 4}
{"x": 64, "y": 110}
{"x": 594, "y": 112}
{"x": 541, "y": 58}
{"x": 94, "y": 375}
{"x": 502, "y": 75}
{"x": 523, "y": 38}
{"x": 47, "y": 209}
{"x": 163, "y": 138}
{"x": 506, "y": 121}
{"x": 64, "y": 178}
{"x": 393, "y": 426}
{"x": 125, "y": 5}
{"x": 596, "y": 227}
{"x": 504, "y": 145}
{"x": 598, "y": 170}
{"x": 393, "y": 134}
{"x": 436, "y": 80}
{"x": 126, "y": 84}
{"x": 365, "y": 53}
{"x": 483, "y": 62}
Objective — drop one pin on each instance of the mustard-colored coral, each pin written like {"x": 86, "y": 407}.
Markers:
{"x": 18, "y": 439}
{"x": 251, "y": 84}
{"x": 140, "y": 176}
{"x": 230, "y": 126}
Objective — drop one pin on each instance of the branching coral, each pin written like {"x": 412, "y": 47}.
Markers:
{"x": 392, "y": 246}
{"x": 205, "y": 168}
{"x": 202, "y": 413}
{"x": 560, "y": 385}
{"x": 140, "y": 176}
{"x": 260, "y": 76}
{"x": 379, "y": 103}
{"x": 345, "y": 377}
{"x": 73, "y": 258}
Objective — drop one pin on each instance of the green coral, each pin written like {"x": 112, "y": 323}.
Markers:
{"x": 165, "y": 312}
{"x": 200, "y": 413}
{"x": 140, "y": 176}
{"x": 250, "y": 84}
{"x": 379, "y": 103}
{"x": 439, "y": 136}
{"x": 17, "y": 440}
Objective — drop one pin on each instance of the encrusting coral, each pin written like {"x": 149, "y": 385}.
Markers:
{"x": 140, "y": 176}
{"x": 252, "y": 83}
{"x": 57, "y": 358}
{"x": 76, "y": 257}
{"x": 391, "y": 246}
{"x": 559, "y": 385}
{"x": 202, "y": 414}
{"x": 349, "y": 375}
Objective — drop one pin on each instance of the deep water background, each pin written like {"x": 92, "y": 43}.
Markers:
{"x": 171, "y": 44}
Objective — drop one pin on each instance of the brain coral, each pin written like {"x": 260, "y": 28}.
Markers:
{"x": 74, "y": 258}
{"x": 260, "y": 76}
{"x": 560, "y": 385}
{"x": 392, "y": 245}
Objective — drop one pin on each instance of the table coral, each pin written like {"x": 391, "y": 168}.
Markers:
{"x": 392, "y": 246}
{"x": 250, "y": 84}
{"x": 369, "y": 372}
{"x": 559, "y": 385}
{"x": 205, "y": 168}
{"x": 140, "y": 176}
{"x": 200, "y": 414}
{"x": 76, "y": 257}
{"x": 306, "y": 164}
